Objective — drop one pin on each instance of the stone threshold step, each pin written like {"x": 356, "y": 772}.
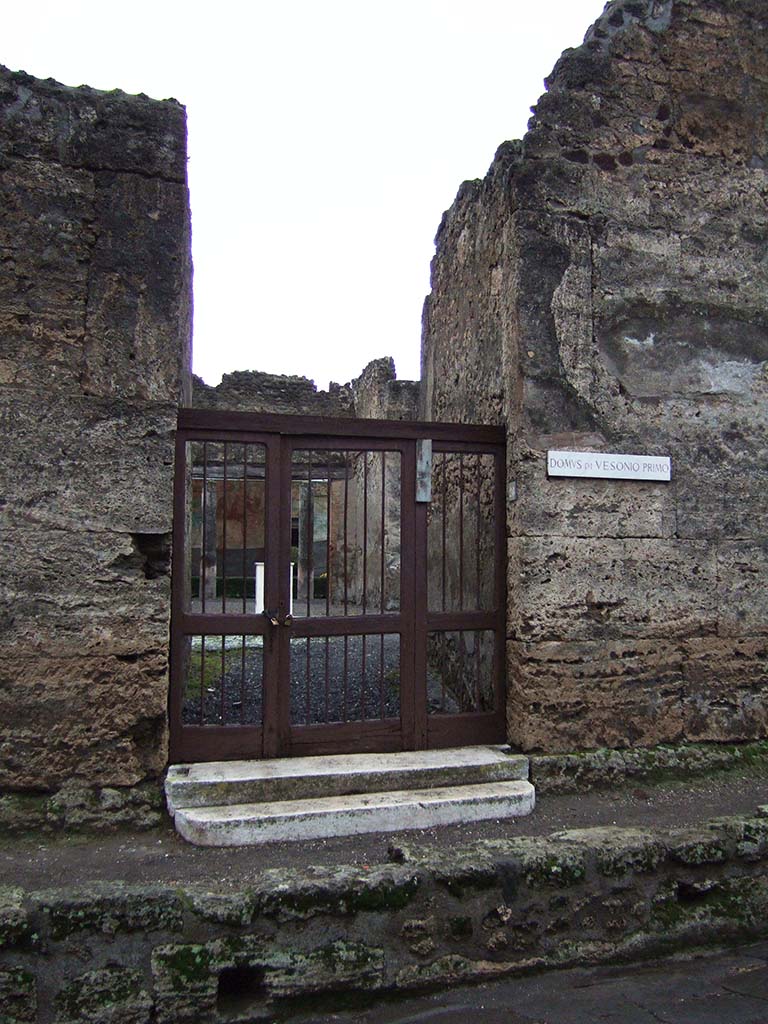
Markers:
{"x": 323, "y": 818}
{"x": 298, "y": 778}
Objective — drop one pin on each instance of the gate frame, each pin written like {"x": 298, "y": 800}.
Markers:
{"x": 418, "y": 730}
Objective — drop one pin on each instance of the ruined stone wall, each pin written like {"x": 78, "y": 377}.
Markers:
{"x": 604, "y": 287}
{"x": 254, "y": 391}
{"x": 379, "y": 395}
{"x": 375, "y": 394}
{"x": 95, "y": 314}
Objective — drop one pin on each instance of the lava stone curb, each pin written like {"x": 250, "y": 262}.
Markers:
{"x": 585, "y": 771}
{"x": 176, "y": 952}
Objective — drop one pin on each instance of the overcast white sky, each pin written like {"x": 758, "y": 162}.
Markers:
{"x": 326, "y": 137}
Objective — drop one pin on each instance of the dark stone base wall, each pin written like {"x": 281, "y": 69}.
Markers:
{"x": 174, "y": 954}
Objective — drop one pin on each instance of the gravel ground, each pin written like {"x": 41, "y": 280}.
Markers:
{"x": 353, "y": 685}
{"x": 162, "y": 856}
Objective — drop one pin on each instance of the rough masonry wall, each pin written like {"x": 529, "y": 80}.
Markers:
{"x": 95, "y": 314}
{"x": 375, "y": 394}
{"x": 254, "y": 391}
{"x": 613, "y": 265}
{"x": 379, "y": 395}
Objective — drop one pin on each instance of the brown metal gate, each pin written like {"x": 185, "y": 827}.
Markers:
{"x": 338, "y": 586}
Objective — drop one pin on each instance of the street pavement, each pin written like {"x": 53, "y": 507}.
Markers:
{"x": 725, "y": 987}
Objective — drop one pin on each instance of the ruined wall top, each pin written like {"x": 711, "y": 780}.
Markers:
{"x": 634, "y": 208}
{"x": 655, "y": 78}
{"x": 254, "y": 391}
{"x": 96, "y": 222}
{"x": 92, "y": 129}
{"x": 375, "y": 394}
{"x": 379, "y": 395}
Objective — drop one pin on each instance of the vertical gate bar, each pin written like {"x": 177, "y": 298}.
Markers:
{"x": 308, "y": 701}
{"x": 462, "y": 651}
{"x": 382, "y": 702}
{"x": 327, "y": 678}
{"x": 328, "y": 588}
{"x": 478, "y": 666}
{"x": 479, "y": 463}
{"x": 362, "y": 682}
{"x": 498, "y": 674}
{"x": 346, "y": 511}
{"x": 461, "y": 531}
{"x": 443, "y": 459}
{"x": 245, "y": 530}
{"x": 204, "y": 532}
{"x": 346, "y": 668}
{"x": 223, "y": 658}
{"x": 310, "y": 533}
{"x": 224, "y": 519}
{"x": 328, "y": 544}
{"x": 500, "y": 531}
{"x": 276, "y": 659}
{"x": 365, "y": 529}
{"x": 245, "y": 583}
{"x": 202, "y": 679}
{"x": 443, "y": 649}
{"x": 383, "y": 508}
{"x": 242, "y": 682}
{"x": 414, "y": 608}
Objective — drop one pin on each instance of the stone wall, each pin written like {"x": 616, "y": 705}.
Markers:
{"x": 375, "y": 394}
{"x": 95, "y": 313}
{"x": 379, "y": 395}
{"x": 259, "y": 948}
{"x": 254, "y": 391}
{"x": 604, "y": 288}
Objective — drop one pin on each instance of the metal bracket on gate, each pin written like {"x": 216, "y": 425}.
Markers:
{"x": 274, "y": 619}
{"x": 424, "y": 470}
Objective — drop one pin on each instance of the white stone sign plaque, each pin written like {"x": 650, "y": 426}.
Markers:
{"x": 611, "y": 466}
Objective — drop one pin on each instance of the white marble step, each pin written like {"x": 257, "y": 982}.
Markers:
{"x": 299, "y": 778}
{"x": 322, "y": 818}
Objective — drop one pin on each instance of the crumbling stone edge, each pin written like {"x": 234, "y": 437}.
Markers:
{"x": 583, "y": 771}
{"x": 79, "y": 808}
{"x": 175, "y": 953}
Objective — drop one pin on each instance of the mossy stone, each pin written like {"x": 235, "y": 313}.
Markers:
{"x": 16, "y": 929}
{"x": 113, "y": 990}
{"x": 18, "y": 996}
{"x": 560, "y": 868}
{"x": 113, "y": 908}
{"x": 698, "y": 849}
